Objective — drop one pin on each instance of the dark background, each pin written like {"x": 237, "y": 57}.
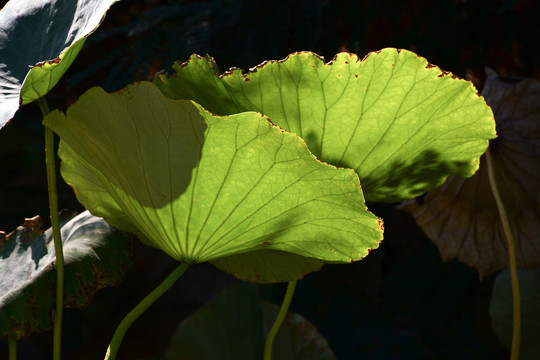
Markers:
{"x": 401, "y": 302}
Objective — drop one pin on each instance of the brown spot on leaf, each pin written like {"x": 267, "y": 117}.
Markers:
{"x": 29, "y": 228}
{"x": 33, "y": 224}
{"x": 381, "y": 224}
{"x": 444, "y": 73}
{"x": 41, "y": 63}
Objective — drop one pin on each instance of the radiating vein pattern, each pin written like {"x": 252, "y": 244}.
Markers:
{"x": 203, "y": 187}
{"x": 401, "y": 123}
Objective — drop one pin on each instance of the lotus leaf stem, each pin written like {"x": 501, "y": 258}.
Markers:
{"x": 279, "y": 320}
{"x": 12, "y": 348}
{"x": 141, "y": 307}
{"x": 516, "y": 300}
{"x": 57, "y": 237}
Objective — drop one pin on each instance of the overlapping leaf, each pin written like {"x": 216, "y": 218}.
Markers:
{"x": 500, "y": 310}
{"x": 268, "y": 266}
{"x": 403, "y": 124}
{"x": 236, "y": 324}
{"x": 203, "y": 187}
{"x": 461, "y": 217}
{"x": 39, "y": 39}
{"x": 95, "y": 256}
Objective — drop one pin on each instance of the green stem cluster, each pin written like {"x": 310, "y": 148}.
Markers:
{"x": 516, "y": 298}
{"x": 57, "y": 237}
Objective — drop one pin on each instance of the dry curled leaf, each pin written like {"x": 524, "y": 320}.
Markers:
{"x": 461, "y": 216}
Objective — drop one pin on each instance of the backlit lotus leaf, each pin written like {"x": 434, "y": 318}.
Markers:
{"x": 402, "y": 124}
{"x": 461, "y": 216}
{"x": 203, "y": 187}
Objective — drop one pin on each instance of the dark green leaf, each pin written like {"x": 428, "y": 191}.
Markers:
{"x": 297, "y": 339}
{"x": 500, "y": 310}
{"x": 95, "y": 256}
{"x": 234, "y": 327}
{"x": 39, "y": 39}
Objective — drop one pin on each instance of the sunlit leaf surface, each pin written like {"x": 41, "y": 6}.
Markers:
{"x": 403, "y": 124}
{"x": 95, "y": 256}
{"x": 461, "y": 216}
{"x": 39, "y": 39}
{"x": 203, "y": 187}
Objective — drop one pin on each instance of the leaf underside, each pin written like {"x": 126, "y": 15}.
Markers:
{"x": 403, "y": 124}
{"x": 461, "y": 216}
{"x": 95, "y": 256}
{"x": 203, "y": 187}
{"x": 45, "y": 35}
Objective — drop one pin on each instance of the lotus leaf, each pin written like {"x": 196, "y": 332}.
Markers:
{"x": 203, "y": 187}
{"x": 39, "y": 39}
{"x": 96, "y": 256}
{"x": 403, "y": 124}
{"x": 461, "y": 217}
{"x": 236, "y": 324}
{"x": 500, "y": 310}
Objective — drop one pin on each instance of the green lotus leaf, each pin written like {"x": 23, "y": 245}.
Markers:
{"x": 95, "y": 255}
{"x": 461, "y": 216}
{"x": 500, "y": 310}
{"x": 268, "y": 266}
{"x": 403, "y": 124}
{"x": 39, "y": 39}
{"x": 297, "y": 338}
{"x": 236, "y": 324}
{"x": 203, "y": 187}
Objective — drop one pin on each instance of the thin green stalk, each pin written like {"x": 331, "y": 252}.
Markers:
{"x": 57, "y": 238}
{"x": 141, "y": 307}
{"x": 279, "y": 320}
{"x": 516, "y": 299}
{"x": 12, "y": 346}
